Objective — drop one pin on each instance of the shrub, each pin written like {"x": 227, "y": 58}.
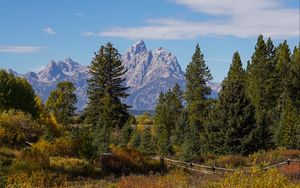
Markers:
{"x": 176, "y": 178}
{"x": 74, "y": 166}
{"x": 18, "y": 127}
{"x": 292, "y": 171}
{"x": 127, "y": 160}
{"x": 35, "y": 179}
{"x": 228, "y": 161}
{"x": 255, "y": 178}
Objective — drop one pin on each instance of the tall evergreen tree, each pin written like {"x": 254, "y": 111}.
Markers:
{"x": 288, "y": 133}
{"x": 61, "y": 102}
{"x": 147, "y": 145}
{"x": 236, "y": 109}
{"x": 197, "y": 90}
{"x": 283, "y": 72}
{"x": 107, "y": 84}
{"x": 168, "y": 110}
{"x": 126, "y": 134}
{"x": 190, "y": 147}
{"x": 295, "y": 78}
{"x": 261, "y": 91}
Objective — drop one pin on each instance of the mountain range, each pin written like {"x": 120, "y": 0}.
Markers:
{"x": 148, "y": 73}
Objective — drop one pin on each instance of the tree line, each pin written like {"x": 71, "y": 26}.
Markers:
{"x": 258, "y": 108}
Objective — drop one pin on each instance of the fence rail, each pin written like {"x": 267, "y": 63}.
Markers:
{"x": 212, "y": 169}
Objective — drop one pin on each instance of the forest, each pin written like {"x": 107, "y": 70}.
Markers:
{"x": 254, "y": 123}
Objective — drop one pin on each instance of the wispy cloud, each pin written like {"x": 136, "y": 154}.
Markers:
{"x": 20, "y": 49}
{"x": 88, "y": 33}
{"x": 241, "y": 18}
{"x": 49, "y": 31}
{"x": 37, "y": 69}
{"x": 78, "y": 14}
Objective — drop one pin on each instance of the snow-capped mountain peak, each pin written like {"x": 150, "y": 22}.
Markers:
{"x": 148, "y": 73}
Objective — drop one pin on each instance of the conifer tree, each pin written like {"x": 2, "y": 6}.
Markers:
{"x": 61, "y": 102}
{"x": 135, "y": 140}
{"x": 283, "y": 70}
{"x": 190, "y": 147}
{"x": 197, "y": 90}
{"x": 107, "y": 84}
{"x": 295, "y": 78}
{"x": 289, "y": 127}
{"x": 126, "y": 134}
{"x": 262, "y": 93}
{"x": 147, "y": 145}
{"x": 237, "y": 112}
{"x": 168, "y": 110}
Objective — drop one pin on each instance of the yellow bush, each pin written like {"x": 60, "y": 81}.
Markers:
{"x": 255, "y": 178}
{"x": 43, "y": 146}
{"x": 35, "y": 179}
{"x": 176, "y": 178}
{"x": 63, "y": 146}
{"x": 18, "y": 127}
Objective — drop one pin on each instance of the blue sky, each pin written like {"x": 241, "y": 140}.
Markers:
{"x": 33, "y": 32}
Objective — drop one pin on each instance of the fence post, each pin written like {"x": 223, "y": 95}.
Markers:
{"x": 288, "y": 161}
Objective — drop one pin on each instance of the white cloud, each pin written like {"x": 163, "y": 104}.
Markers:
{"x": 37, "y": 69}
{"x": 49, "y": 31}
{"x": 88, "y": 33}
{"x": 79, "y": 14}
{"x": 20, "y": 49}
{"x": 242, "y": 18}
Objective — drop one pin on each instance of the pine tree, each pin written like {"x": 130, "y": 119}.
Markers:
{"x": 168, "y": 110}
{"x": 262, "y": 92}
{"x": 289, "y": 127}
{"x": 295, "y": 78}
{"x": 126, "y": 134}
{"x": 237, "y": 112}
{"x": 107, "y": 81}
{"x": 135, "y": 140}
{"x": 197, "y": 90}
{"x": 61, "y": 102}
{"x": 190, "y": 147}
{"x": 147, "y": 146}
{"x": 283, "y": 70}
{"x": 180, "y": 128}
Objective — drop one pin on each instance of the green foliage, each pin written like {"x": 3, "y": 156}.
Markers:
{"x": 106, "y": 88}
{"x": 237, "y": 112}
{"x": 126, "y": 134}
{"x": 197, "y": 90}
{"x": 18, "y": 127}
{"x": 16, "y": 93}
{"x": 168, "y": 111}
{"x": 147, "y": 145}
{"x": 288, "y": 133}
{"x": 61, "y": 102}
{"x": 190, "y": 147}
{"x": 135, "y": 141}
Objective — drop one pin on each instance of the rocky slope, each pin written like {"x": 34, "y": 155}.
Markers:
{"x": 149, "y": 73}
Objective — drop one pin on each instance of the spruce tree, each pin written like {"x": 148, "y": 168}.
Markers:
{"x": 289, "y": 127}
{"x": 197, "y": 90}
{"x": 126, "y": 134}
{"x": 190, "y": 147}
{"x": 107, "y": 81}
{"x": 262, "y": 92}
{"x": 283, "y": 72}
{"x": 168, "y": 110}
{"x": 237, "y": 111}
{"x": 147, "y": 145}
{"x": 295, "y": 78}
{"x": 135, "y": 140}
{"x": 61, "y": 102}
